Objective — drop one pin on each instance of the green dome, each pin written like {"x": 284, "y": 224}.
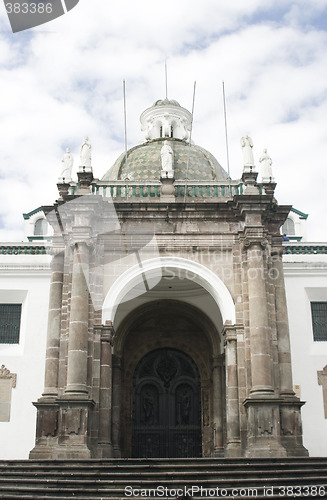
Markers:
{"x": 144, "y": 163}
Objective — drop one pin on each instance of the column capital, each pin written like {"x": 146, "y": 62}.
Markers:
{"x": 252, "y": 240}
{"x": 107, "y": 332}
{"x": 82, "y": 239}
{"x": 277, "y": 251}
{"x": 229, "y": 332}
{"x": 57, "y": 251}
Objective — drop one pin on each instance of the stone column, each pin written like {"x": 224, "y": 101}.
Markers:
{"x": 47, "y": 406}
{"x": 218, "y": 420}
{"x": 54, "y": 326}
{"x": 263, "y": 405}
{"x": 105, "y": 403}
{"x": 75, "y": 404}
{"x": 261, "y": 365}
{"x": 116, "y": 403}
{"x": 283, "y": 338}
{"x": 233, "y": 446}
{"x": 290, "y": 408}
{"x": 78, "y": 325}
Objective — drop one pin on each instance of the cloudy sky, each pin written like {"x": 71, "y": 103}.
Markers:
{"x": 63, "y": 80}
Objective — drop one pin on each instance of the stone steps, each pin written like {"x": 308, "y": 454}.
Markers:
{"x": 163, "y": 478}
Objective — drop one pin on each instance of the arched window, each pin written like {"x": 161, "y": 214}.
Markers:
{"x": 288, "y": 227}
{"x": 41, "y": 227}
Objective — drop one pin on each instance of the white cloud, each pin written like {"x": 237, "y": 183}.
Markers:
{"x": 65, "y": 81}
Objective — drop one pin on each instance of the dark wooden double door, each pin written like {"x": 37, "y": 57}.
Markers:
{"x": 166, "y": 406}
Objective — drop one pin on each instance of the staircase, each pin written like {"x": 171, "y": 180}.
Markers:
{"x": 164, "y": 479}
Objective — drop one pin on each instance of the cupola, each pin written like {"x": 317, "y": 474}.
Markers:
{"x": 166, "y": 119}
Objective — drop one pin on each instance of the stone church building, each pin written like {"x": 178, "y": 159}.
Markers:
{"x": 168, "y": 332}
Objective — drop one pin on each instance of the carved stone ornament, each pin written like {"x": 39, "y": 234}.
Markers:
{"x": 49, "y": 423}
{"x": 166, "y": 369}
{"x": 108, "y": 333}
{"x": 322, "y": 380}
{"x": 5, "y": 373}
{"x": 73, "y": 420}
{"x": 250, "y": 241}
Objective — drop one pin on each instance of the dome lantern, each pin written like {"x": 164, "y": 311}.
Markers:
{"x": 166, "y": 123}
{"x": 166, "y": 118}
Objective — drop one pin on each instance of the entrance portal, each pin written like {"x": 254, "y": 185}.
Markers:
{"x": 166, "y": 406}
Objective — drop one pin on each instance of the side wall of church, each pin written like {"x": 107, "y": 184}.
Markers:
{"x": 306, "y": 281}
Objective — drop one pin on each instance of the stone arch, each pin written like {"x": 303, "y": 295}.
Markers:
{"x": 184, "y": 268}
{"x": 167, "y": 324}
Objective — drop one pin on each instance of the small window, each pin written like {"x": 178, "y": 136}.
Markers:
{"x": 10, "y": 323}
{"x": 288, "y": 227}
{"x": 319, "y": 321}
{"x": 41, "y": 227}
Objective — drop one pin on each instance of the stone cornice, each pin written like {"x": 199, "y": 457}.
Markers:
{"x": 25, "y": 269}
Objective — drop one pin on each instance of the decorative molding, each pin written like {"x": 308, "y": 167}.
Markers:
{"x": 24, "y": 250}
{"x": 5, "y": 373}
{"x": 306, "y": 249}
{"x": 21, "y": 269}
{"x": 322, "y": 380}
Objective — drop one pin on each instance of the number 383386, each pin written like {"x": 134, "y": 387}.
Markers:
{"x": 28, "y": 8}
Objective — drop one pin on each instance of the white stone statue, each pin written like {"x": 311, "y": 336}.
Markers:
{"x": 167, "y": 160}
{"x": 66, "y": 169}
{"x": 247, "y": 150}
{"x": 86, "y": 154}
{"x": 266, "y": 170}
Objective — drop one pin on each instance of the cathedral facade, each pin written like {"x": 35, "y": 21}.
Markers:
{"x": 168, "y": 332}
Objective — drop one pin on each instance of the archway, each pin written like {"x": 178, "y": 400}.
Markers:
{"x": 166, "y": 406}
{"x": 177, "y": 327}
{"x": 141, "y": 278}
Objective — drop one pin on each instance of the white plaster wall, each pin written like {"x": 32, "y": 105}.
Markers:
{"x": 307, "y": 282}
{"x": 24, "y": 279}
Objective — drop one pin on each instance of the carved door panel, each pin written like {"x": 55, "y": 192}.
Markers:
{"x": 166, "y": 406}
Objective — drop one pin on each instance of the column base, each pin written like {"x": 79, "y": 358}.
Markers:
{"x": 104, "y": 450}
{"x": 116, "y": 453}
{"x": 291, "y": 427}
{"x": 72, "y": 452}
{"x": 263, "y": 436}
{"x": 74, "y": 428}
{"x": 43, "y": 452}
{"x": 62, "y": 429}
{"x": 47, "y": 427}
{"x": 265, "y": 448}
{"x": 219, "y": 453}
{"x": 233, "y": 449}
